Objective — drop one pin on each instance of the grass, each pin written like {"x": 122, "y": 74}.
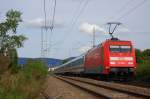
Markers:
{"x": 26, "y": 84}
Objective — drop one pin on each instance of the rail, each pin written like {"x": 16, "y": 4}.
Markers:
{"x": 107, "y": 89}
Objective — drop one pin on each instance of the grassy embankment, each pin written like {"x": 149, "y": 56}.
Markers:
{"x": 27, "y": 83}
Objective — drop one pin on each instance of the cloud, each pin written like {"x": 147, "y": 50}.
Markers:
{"x": 84, "y": 49}
{"x": 40, "y": 22}
{"x": 88, "y": 28}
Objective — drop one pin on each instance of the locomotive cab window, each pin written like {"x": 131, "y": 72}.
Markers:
{"x": 114, "y": 48}
{"x": 125, "y": 48}
{"x": 120, "y": 48}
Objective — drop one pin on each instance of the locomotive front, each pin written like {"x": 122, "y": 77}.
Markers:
{"x": 120, "y": 59}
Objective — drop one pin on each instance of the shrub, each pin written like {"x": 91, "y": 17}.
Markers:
{"x": 146, "y": 54}
{"x": 26, "y": 84}
{"x": 143, "y": 68}
{"x": 139, "y": 56}
{"x": 143, "y": 71}
{"x": 35, "y": 69}
{"x": 4, "y": 64}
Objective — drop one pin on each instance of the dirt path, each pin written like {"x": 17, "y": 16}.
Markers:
{"x": 57, "y": 89}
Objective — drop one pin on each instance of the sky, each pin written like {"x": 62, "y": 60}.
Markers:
{"x": 74, "y": 22}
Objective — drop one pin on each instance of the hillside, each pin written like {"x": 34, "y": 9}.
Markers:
{"x": 51, "y": 62}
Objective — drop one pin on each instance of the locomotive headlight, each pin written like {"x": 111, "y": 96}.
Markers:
{"x": 107, "y": 67}
{"x": 130, "y": 63}
{"x": 112, "y": 63}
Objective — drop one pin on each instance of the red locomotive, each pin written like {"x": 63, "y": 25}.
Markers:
{"x": 113, "y": 57}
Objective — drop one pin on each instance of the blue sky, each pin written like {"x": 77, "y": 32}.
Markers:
{"x": 67, "y": 41}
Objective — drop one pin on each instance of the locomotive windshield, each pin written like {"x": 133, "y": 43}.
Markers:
{"x": 120, "y": 48}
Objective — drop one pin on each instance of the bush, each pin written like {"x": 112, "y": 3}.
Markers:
{"x": 143, "y": 71}
{"x": 146, "y": 54}
{"x": 36, "y": 69}
{"x": 26, "y": 84}
{"x": 143, "y": 68}
{"x": 139, "y": 56}
{"x": 4, "y": 64}
{"x": 14, "y": 60}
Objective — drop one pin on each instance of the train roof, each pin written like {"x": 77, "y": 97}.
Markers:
{"x": 78, "y": 57}
{"x": 108, "y": 40}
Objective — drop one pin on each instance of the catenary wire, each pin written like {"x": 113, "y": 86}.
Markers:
{"x": 53, "y": 18}
{"x": 45, "y": 15}
{"x": 133, "y": 9}
{"x": 61, "y": 42}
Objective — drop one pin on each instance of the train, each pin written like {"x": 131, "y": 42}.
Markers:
{"x": 111, "y": 58}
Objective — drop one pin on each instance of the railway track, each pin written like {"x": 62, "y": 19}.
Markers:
{"x": 107, "y": 89}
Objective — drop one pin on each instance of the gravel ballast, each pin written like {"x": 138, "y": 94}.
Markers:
{"x": 57, "y": 89}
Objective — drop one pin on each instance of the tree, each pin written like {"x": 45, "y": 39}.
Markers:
{"x": 14, "y": 60}
{"x": 146, "y": 54}
{"x": 9, "y": 40}
{"x": 139, "y": 56}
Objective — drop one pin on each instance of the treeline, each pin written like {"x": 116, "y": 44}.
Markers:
{"x": 17, "y": 82}
{"x": 143, "y": 64}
